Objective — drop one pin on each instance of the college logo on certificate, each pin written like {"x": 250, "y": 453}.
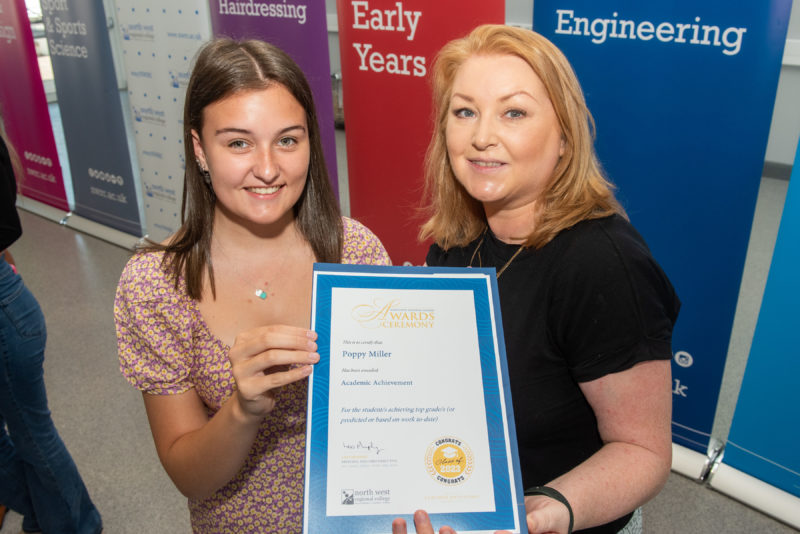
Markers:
{"x": 449, "y": 460}
{"x": 409, "y": 406}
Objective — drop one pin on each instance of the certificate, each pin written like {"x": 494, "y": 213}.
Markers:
{"x": 409, "y": 406}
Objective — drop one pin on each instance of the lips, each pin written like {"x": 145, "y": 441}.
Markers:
{"x": 264, "y": 190}
{"x": 486, "y": 164}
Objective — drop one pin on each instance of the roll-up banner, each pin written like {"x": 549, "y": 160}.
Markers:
{"x": 23, "y": 106}
{"x": 387, "y": 49}
{"x": 764, "y": 437}
{"x": 159, "y": 41}
{"x": 299, "y": 28}
{"x": 682, "y": 94}
{"x": 91, "y": 112}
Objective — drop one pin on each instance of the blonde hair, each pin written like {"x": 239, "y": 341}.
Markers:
{"x": 577, "y": 189}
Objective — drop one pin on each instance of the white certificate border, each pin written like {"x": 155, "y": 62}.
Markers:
{"x": 378, "y": 523}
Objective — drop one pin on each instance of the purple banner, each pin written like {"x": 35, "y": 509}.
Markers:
{"x": 301, "y": 31}
{"x": 24, "y": 108}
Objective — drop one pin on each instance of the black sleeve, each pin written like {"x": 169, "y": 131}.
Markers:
{"x": 10, "y": 227}
{"x": 434, "y": 257}
{"x": 612, "y": 306}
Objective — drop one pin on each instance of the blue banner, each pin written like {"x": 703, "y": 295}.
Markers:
{"x": 682, "y": 95}
{"x": 764, "y": 436}
{"x": 91, "y": 111}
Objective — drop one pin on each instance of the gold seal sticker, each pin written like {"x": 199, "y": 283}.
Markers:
{"x": 449, "y": 460}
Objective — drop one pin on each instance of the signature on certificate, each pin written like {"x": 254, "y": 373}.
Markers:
{"x": 360, "y": 445}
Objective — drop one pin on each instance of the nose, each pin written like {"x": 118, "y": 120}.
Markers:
{"x": 265, "y": 166}
{"x": 484, "y": 135}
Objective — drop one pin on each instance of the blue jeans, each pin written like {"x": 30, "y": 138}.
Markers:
{"x": 38, "y": 478}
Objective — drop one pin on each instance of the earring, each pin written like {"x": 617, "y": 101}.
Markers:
{"x": 204, "y": 171}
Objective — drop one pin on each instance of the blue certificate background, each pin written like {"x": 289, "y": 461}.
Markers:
{"x": 421, "y": 278}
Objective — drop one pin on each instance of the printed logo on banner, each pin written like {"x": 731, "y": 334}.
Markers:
{"x": 138, "y": 32}
{"x": 683, "y": 358}
{"x": 696, "y": 32}
{"x": 191, "y": 36}
{"x": 64, "y": 29}
{"x": 36, "y": 158}
{"x": 179, "y": 80}
{"x": 152, "y": 154}
{"x": 9, "y": 33}
{"x": 149, "y": 115}
{"x": 275, "y": 10}
{"x": 47, "y": 177}
{"x": 40, "y": 160}
{"x": 396, "y": 19}
{"x": 141, "y": 74}
{"x": 159, "y": 191}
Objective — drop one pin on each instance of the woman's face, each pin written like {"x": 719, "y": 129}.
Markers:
{"x": 502, "y": 134}
{"x": 255, "y": 145}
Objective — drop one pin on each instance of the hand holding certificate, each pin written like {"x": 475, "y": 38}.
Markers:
{"x": 409, "y": 406}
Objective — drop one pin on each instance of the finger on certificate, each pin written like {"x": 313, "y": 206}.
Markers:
{"x": 422, "y": 522}
{"x": 275, "y": 360}
{"x": 257, "y": 340}
{"x": 399, "y": 526}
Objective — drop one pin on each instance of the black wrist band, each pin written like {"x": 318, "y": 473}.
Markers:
{"x": 547, "y": 491}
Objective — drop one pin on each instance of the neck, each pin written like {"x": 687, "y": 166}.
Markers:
{"x": 511, "y": 225}
{"x": 233, "y": 234}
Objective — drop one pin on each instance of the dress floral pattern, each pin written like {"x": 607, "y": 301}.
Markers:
{"x": 165, "y": 348}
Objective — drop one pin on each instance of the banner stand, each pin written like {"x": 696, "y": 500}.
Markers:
{"x": 757, "y": 494}
{"x": 81, "y": 224}
{"x": 692, "y": 464}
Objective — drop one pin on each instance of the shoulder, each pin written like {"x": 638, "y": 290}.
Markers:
{"x": 361, "y": 246}
{"x": 144, "y": 278}
{"x": 609, "y": 256}
{"x": 595, "y": 244}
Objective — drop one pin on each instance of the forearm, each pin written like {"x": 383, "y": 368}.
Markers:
{"x": 617, "y": 479}
{"x": 6, "y": 255}
{"x": 203, "y": 460}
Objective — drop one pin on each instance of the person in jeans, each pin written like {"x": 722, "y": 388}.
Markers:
{"x": 38, "y": 478}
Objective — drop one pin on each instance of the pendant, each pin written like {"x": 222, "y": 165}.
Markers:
{"x": 260, "y": 293}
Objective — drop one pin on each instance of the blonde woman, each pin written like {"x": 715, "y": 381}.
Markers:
{"x": 513, "y": 183}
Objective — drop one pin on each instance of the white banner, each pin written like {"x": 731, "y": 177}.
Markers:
{"x": 159, "y": 41}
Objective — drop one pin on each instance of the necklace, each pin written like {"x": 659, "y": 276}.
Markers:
{"x": 260, "y": 292}
{"x": 480, "y": 262}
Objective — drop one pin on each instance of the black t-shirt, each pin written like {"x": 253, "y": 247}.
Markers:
{"x": 10, "y": 228}
{"x": 591, "y": 302}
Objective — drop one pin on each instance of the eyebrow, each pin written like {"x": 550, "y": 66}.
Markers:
{"x": 503, "y": 99}
{"x": 246, "y": 131}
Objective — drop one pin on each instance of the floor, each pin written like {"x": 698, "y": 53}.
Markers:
{"x": 102, "y": 420}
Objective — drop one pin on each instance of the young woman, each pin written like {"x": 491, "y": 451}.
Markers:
{"x": 212, "y": 325}
{"x": 514, "y": 184}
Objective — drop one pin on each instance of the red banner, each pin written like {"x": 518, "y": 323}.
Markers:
{"x": 24, "y": 108}
{"x": 387, "y": 49}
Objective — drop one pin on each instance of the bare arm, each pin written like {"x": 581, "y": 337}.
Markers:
{"x": 201, "y": 454}
{"x": 633, "y": 410}
{"x": 6, "y": 254}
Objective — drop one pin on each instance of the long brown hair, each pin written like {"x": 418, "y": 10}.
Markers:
{"x": 223, "y": 67}
{"x": 577, "y": 189}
